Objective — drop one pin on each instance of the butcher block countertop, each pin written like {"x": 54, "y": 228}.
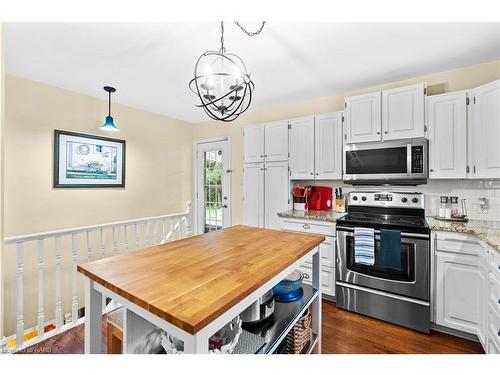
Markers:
{"x": 191, "y": 282}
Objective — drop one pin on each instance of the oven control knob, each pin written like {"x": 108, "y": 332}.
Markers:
{"x": 355, "y": 198}
{"x": 404, "y": 199}
{"x": 363, "y": 198}
{"x": 415, "y": 200}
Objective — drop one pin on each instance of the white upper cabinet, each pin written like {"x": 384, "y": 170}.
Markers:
{"x": 253, "y": 144}
{"x": 447, "y": 120}
{"x": 328, "y": 146}
{"x": 484, "y": 131}
{"x": 277, "y": 192}
{"x": 363, "y": 118}
{"x": 276, "y": 141}
{"x": 302, "y": 148}
{"x": 254, "y": 194}
{"x": 403, "y": 112}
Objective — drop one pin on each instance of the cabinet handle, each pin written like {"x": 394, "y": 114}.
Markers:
{"x": 261, "y": 156}
{"x": 265, "y": 156}
{"x": 306, "y": 226}
{"x": 306, "y": 276}
{"x": 431, "y": 170}
{"x": 378, "y": 133}
{"x": 317, "y": 174}
{"x": 312, "y": 174}
{"x": 386, "y": 132}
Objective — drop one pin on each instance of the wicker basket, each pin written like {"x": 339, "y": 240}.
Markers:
{"x": 300, "y": 335}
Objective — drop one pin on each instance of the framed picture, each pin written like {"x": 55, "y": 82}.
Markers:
{"x": 88, "y": 161}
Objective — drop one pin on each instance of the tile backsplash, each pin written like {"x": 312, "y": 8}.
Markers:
{"x": 471, "y": 190}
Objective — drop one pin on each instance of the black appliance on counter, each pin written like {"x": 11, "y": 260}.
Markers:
{"x": 402, "y": 295}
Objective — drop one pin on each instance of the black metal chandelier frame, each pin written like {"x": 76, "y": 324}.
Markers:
{"x": 239, "y": 95}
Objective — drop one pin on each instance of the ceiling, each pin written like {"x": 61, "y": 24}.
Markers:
{"x": 151, "y": 64}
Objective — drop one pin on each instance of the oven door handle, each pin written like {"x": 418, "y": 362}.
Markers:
{"x": 403, "y": 234}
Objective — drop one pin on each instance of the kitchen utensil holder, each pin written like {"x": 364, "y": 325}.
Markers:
{"x": 340, "y": 205}
{"x": 300, "y": 335}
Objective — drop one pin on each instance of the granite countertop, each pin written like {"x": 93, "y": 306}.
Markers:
{"x": 326, "y": 215}
{"x": 486, "y": 231}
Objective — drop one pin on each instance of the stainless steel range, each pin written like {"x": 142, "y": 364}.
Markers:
{"x": 400, "y": 294}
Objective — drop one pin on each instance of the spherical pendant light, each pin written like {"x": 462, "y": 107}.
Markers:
{"x": 222, "y": 83}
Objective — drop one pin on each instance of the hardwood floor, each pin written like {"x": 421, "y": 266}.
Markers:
{"x": 343, "y": 333}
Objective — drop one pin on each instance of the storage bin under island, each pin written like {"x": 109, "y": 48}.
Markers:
{"x": 191, "y": 288}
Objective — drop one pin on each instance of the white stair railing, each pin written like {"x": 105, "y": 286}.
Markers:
{"x": 156, "y": 230}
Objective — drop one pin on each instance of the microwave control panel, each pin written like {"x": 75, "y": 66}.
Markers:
{"x": 417, "y": 159}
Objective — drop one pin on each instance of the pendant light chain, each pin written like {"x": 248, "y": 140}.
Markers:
{"x": 222, "y": 48}
{"x": 250, "y": 33}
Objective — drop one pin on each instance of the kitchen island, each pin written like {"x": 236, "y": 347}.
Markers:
{"x": 193, "y": 287}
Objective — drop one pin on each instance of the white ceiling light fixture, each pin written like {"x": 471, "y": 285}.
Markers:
{"x": 222, "y": 83}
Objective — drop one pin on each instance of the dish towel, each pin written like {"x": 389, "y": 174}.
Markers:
{"x": 390, "y": 249}
{"x": 364, "y": 246}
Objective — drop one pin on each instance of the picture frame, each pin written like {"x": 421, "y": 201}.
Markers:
{"x": 88, "y": 161}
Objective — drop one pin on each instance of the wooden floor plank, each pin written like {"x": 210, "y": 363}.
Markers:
{"x": 344, "y": 332}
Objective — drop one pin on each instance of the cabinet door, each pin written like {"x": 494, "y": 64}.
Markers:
{"x": 277, "y": 192}
{"x": 276, "y": 141}
{"x": 484, "y": 131}
{"x": 447, "y": 120}
{"x": 253, "y": 144}
{"x": 302, "y": 148}
{"x": 461, "y": 293}
{"x": 363, "y": 118}
{"x": 328, "y": 146}
{"x": 254, "y": 194}
{"x": 403, "y": 112}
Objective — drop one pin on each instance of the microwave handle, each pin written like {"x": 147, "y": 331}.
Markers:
{"x": 408, "y": 159}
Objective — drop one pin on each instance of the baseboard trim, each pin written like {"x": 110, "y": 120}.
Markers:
{"x": 454, "y": 332}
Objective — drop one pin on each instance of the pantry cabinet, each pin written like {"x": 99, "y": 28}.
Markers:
{"x": 316, "y": 147}
{"x": 484, "y": 131}
{"x": 403, "y": 110}
{"x": 253, "y": 144}
{"x": 276, "y": 192}
{"x": 276, "y": 141}
{"x": 253, "y": 191}
{"x": 302, "y": 148}
{"x": 447, "y": 121}
{"x": 266, "y": 142}
{"x": 363, "y": 119}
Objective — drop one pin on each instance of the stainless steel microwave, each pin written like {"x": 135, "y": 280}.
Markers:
{"x": 403, "y": 162}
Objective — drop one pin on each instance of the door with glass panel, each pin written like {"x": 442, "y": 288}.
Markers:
{"x": 212, "y": 190}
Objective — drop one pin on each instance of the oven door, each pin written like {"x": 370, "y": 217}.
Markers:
{"x": 386, "y": 161}
{"x": 413, "y": 280}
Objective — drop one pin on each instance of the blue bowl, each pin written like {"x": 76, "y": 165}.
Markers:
{"x": 290, "y": 284}
{"x": 289, "y": 297}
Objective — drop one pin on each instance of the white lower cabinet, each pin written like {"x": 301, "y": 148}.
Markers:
{"x": 327, "y": 250}
{"x": 466, "y": 288}
{"x": 460, "y": 293}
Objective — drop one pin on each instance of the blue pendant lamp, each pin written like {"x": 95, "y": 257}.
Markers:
{"x": 109, "y": 125}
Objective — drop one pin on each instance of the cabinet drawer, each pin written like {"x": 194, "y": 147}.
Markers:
{"x": 306, "y": 226}
{"x": 327, "y": 278}
{"x": 494, "y": 288}
{"x": 327, "y": 251}
{"x": 494, "y": 324}
{"x": 458, "y": 243}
